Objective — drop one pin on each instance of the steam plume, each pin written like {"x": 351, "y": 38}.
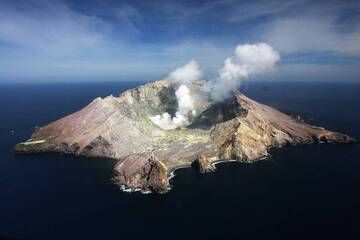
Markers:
{"x": 186, "y": 74}
{"x": 183, "y": 77}
{"x": 248, "y": 59}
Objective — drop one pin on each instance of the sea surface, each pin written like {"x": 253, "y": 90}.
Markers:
{"x": 303, "y": 192}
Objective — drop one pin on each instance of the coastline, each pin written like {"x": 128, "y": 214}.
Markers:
{"x": 172, "y": 174}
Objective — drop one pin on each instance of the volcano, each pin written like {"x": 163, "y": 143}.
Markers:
{"x": 120, "y": 128}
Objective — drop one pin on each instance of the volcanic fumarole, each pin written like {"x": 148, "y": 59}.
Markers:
{"x": 248, "y": 59}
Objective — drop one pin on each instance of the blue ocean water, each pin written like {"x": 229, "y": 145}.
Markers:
{"x": 303, "y": 192}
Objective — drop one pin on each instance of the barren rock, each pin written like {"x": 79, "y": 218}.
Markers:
{"x": 120, "y": 128}
{"x": 202, "y": 164}
{"x": 143, "y": 171}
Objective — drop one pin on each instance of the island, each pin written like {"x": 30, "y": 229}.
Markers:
{"x": 121, "y": 128}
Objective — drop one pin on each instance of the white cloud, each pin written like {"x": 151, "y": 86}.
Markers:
{"x": 312, "y": 34}
{"x": 40, "y": 37}
{"x": 49, "y": 26}
{"x": 311, "y": 26}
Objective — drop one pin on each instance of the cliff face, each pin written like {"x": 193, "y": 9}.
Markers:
{"x": 142, "y": 171}
{"x": 120, "y": 128}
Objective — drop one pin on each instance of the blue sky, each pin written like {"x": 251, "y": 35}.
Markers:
{"x": 52, "y": 40}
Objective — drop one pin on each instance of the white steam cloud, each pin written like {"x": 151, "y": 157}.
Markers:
{"x": 186, "y": 74}
{"x": 184, "y": 77}
{"x": 249, "y": 59}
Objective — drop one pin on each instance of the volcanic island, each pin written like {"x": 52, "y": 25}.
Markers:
{"x": 236, "y": 129}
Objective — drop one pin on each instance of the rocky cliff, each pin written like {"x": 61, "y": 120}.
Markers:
{"x": 120, "y": 128}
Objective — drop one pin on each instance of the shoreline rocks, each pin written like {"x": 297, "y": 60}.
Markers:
{"x": 202, "y": 164}
{"x": 144, "y": 172}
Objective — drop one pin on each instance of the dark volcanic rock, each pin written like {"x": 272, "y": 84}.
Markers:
{"x": 202, "y": 164}
{"x": 99, "y": 147}
{"x": 120, "y": 128}
{"x": 143, "y": 171}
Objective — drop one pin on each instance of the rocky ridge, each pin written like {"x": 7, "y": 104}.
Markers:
{"x": 119, "y": 128}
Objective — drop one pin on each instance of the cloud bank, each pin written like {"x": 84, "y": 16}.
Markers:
{"x": 68, "y": 38}
{"x": 313, "y": 33}
{"x": 49, "y": 27}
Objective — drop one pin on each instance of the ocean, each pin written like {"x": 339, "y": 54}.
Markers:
{"x": 302, "y": 192}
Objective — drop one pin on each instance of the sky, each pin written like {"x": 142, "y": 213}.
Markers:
{"x": 97, "y": 40}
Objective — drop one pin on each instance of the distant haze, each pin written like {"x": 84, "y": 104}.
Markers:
{"x": 68, "y": 40}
